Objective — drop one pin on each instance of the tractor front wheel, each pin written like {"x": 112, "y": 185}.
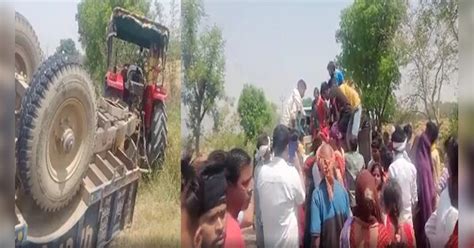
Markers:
{"x": 158, "y": 136}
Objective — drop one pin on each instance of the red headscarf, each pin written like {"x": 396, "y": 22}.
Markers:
{"x": 367, "y": 203}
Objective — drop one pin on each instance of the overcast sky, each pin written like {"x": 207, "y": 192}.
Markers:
{"x": 55, "y": 20}
{"x": 272, "y": 44}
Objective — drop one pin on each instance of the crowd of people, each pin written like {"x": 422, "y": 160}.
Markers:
{"x": 404, "y": 196}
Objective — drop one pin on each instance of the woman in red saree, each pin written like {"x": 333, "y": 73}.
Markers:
{"x": 401, "y": 233}
{"x": 365, "y": 228}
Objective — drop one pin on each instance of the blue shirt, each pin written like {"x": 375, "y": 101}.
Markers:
{"x": 328, "y": 217}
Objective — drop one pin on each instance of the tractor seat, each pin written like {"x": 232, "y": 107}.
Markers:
{"x": 114, "y": 80}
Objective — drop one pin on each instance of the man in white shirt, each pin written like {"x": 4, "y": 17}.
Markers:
{"x": 405, "y": 173}
{"x": 294, "y": 106}
{"x": 280, "y": 192}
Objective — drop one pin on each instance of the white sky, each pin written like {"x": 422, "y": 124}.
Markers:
{"x": 272, "y": 44}
{"x": 56, "y": 20}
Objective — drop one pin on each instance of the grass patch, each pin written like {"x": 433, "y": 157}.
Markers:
{"x": 156, "y": 220}
{"x": 226, "y": 140}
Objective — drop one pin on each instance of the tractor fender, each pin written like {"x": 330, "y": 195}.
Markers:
{"x": 153, "y": 94}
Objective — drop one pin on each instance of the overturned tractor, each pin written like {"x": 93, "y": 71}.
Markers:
{"x": 79, "y": 156}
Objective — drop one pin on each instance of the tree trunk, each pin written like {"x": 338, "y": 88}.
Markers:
{"x": 197, "y": 139}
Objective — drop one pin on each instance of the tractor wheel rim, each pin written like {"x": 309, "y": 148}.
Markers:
{"x": 20, "y": 64}
{"x": 65, "y": 143}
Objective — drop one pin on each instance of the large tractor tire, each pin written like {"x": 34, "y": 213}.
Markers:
{"x": 57, "y": 132}
{"x": 158, "y": 138}
{"x": 27, "y": 48}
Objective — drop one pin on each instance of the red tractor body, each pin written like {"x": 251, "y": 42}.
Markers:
{"x": 136, "y": 81}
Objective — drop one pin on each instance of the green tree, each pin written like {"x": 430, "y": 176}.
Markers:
{"x": 67, "y": 46}
{"x": 254, "y": 111}
{"x": 204, "y": 64}
{"x": 92, "y": 18}
{"x": 369, "y": 55}
{"x": 430, "y": 44}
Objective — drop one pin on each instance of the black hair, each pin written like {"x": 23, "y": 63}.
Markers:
{"x": 262, "y": 140}
{"x": 408, "y": 131}
{"x": 281, "y": 138}
{"x": 217, "y": 156}
{"x": 353, "y": 144}
{"x": 190, "y": 201}
{"x": 381, "y": 170}
{"x": 294, "y": 135}
{"x": 392, "y": 200}
{"x": 332, "y": 82}
{"x": 451, "y": 149}
{"x": 432, "y": 131}
{"x": 206, "y": 178}
{"x": 331, "y": 66}
{"x": 301, "y": 83}
{"x": 316, "y": 90}
{"x": 236, "y": 159}
{"x": 398, "y": 135}
{"x": 386, "y": 158}
{"x": 324, "y": 87}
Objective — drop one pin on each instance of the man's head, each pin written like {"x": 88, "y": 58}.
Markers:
{"x": 326, "y": 162}
{"x": 301, "y": 87}
{"x": 408, "y": 131}
{"x": 217, "y": 156}
{"x": 331, "y": 68}
{"x": 212, "y": 208}
{"x": 399, "y": 140}
{"x": 431, "y": 131}
{"x": 263, "y": 147}
{"x": 386, "y": 158}
{"x": 281, "y": 139}
{"x": 190, "y": 203}
{"x": 239, "y": 177}
{"x": 325, "y": 90}
{"x": 316, "y": 93}
{"x": 451, "y": 148}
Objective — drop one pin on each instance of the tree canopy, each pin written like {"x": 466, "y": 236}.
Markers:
{"x": 92, "y": 17}
{"x": 204, "y": 66}
{"x": 254, "y": 110}
{"x": 369, "y": 55}
{"x": 430, "y": 43}
{"x": 67, "y": 46}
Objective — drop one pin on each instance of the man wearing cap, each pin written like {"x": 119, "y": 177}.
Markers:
{"x": 405, "y": 173}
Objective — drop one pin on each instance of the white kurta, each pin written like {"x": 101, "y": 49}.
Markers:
{"x": 405, "y": 173}
{"x": 293, "y": 105}
{"x": 280, "y": 191}
{"x": 440, "y": 225}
